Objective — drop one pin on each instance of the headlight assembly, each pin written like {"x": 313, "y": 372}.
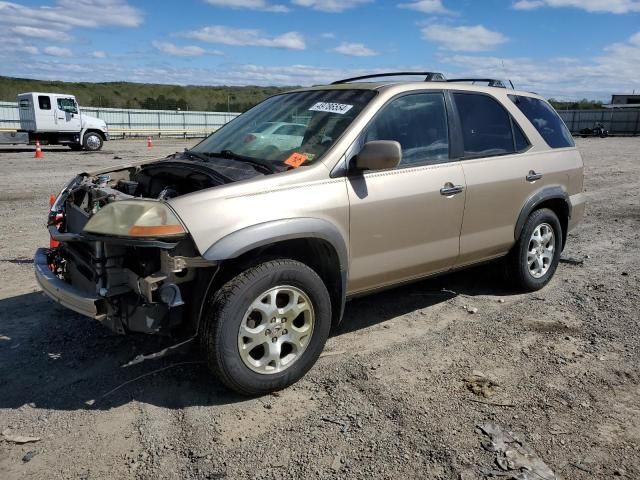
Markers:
{"x": 136, "y": 218}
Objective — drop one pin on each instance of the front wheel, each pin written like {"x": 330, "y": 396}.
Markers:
{"x": 266, "y": 327}
{"x": 92, "y": 141}
{"x": 534, "y": 258}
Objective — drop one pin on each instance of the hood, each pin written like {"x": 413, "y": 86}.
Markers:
{"x": 93, "y": 122}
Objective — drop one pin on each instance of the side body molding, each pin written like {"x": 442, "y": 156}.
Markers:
{"x": 551, "y": 192}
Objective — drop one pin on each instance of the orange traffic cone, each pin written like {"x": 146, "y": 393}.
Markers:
{"x": 39, "y": 153}
{"x": 52, "y": 199}
{"x": 149, "y": 142}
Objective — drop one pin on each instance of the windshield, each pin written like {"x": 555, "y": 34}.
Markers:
{"x": 288, "y": 130}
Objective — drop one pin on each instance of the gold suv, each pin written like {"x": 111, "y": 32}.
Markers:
{"x": 251, "y": 242}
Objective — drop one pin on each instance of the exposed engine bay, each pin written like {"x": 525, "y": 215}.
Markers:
{"x": 139, "y": 284}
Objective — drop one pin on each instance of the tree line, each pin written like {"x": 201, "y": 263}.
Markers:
{"x": 145, "y": 96}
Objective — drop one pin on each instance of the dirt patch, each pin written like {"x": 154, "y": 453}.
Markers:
{"x": 394, "y": 400}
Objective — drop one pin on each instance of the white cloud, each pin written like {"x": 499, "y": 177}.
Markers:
{"x": 355, "y": 50}
{"x": 28, "y": 49}
{"x": 426, "y": 6}
{"x": 594, "y": 6}
{"x": 463, "y": 39}
{"x": 11, "y": 46}
{"x": 58, "y": 52}
{"x": 54, "y": 23}
{"x": 528, "y": 4}
{"x": 328, "y": 35}
{"x": 40, "y": 33}
{"x": 330, "y": 5}
{"x": 262, "y": 5}
{"x": 615, "y": 70}
{"x": 173, "y": 49}
{"x": 99, "y": 54}
{"x": 247, "y": 37}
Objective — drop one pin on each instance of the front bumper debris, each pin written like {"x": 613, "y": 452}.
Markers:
{"x": 65, "y": 294}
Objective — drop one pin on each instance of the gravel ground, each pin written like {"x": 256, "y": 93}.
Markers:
{"x": 394, "y": 398}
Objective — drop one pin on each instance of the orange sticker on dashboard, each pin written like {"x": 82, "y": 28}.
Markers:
{"x": 296, "y": 159}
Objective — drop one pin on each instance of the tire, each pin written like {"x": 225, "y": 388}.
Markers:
{"x": 526, "y": 277}
{"x": 255, "y": 365}
{"x": 92, "y": 141}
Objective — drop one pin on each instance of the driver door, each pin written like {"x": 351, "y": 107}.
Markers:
{"x": 405, "y": 223}
{"x": 66, "y": 114}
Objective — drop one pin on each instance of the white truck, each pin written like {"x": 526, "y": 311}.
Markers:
{"x": 55, "y": 119}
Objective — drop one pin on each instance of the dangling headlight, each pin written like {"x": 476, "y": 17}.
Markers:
{"x": 136, "y": 218}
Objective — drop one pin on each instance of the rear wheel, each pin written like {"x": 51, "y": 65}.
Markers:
{"x": 534, "y": 259}
{"x": 92, "y": 141}
{"x": 266, "y": 327}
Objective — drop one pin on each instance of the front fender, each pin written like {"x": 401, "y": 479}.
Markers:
{"x": 268, "y": 233}
{"x": 262, "y": 234}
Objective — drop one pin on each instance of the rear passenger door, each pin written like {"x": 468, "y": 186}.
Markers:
{"x": 45, "y": 120}
{"x": 405, "y": 222}
{"x": 500, "y": 175}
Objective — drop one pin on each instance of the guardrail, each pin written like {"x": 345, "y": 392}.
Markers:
{"x": 136, "y": 122}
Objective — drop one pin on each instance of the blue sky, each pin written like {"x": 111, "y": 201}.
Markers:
{"x": 562, "y": 48}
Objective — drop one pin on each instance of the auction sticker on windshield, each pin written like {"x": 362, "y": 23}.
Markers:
{"x": 296, "y": 159}
{"x": 340, "y": 108}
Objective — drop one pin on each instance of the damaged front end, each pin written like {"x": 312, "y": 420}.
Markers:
{"x": 123, "y": 256}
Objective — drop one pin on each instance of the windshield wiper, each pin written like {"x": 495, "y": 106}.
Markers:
{"x": 257, "y": 162}
{"x": 199, "y": 156}
{"x": 205, "y": 158}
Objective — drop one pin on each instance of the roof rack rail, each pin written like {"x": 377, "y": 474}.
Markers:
{"x": 493, "y": 82}
{"x": 429, "y": 76}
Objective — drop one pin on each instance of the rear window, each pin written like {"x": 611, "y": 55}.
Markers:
{"x": 546, "y": 120}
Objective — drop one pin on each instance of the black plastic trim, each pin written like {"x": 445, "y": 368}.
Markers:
{"x": 547, "y": 193}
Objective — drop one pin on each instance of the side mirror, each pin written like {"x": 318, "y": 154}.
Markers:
{"x": 379, "y": 155}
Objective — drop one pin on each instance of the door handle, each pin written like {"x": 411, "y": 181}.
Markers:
{"x": 450, "y": 189}
{"x": 533, "y": 176}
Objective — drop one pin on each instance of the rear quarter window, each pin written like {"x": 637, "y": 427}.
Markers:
{"x": 44, "y": 102}
{"x": 545, "y": 120}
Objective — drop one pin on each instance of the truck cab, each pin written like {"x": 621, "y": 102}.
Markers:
{"x": 56, "y": 119}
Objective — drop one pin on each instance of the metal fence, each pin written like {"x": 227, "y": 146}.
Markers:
{"x": 135, "y": 122}
{"x": 623, "y": 121}
{"x": 124, "y": 123}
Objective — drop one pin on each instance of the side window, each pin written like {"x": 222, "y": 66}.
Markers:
{"x": 44, "y": 102}
{"x": 67, "y": 105}
{"x": 520, "y": 138}
{"x": 546, "y": 120}
{"x": 486, "y": 125}
{"x": 419, "y": 123}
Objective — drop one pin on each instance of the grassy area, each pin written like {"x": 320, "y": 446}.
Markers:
{"x": 144, "y": 95}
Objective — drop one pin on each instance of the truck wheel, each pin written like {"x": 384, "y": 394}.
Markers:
{"x": 535, "y": 256}
{"x": 266, "y": 327}
{"x": 92, "y": 141}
